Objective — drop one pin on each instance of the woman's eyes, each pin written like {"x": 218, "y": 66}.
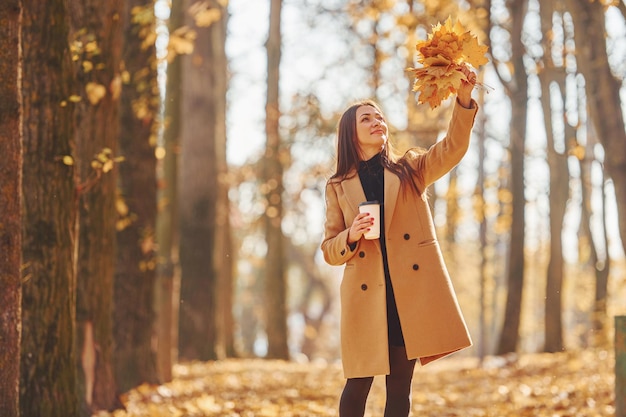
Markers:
{"x": 367, "y": 119}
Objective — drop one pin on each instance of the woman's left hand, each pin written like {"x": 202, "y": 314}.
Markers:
{"x": 465, "y": 92}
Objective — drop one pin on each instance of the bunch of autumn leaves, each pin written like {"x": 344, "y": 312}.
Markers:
{"x": 447, "y": 50}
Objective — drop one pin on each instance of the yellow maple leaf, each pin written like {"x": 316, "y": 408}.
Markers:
{"x": 448, "y": 49}
{"x": 473, "y": 52}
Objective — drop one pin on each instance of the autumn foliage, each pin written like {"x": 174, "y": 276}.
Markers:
{"x": 532, "y": 385}
{"x": 447, "y": 50}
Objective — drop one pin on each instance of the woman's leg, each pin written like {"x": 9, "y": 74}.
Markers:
{"x": 354, "y": 396}
{"x": 399, "y": 383}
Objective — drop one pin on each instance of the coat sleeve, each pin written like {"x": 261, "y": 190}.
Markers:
{"x": 448, "y": 152}
{"x": 335, "y": 245}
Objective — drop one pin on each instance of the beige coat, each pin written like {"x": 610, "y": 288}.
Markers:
{"x": 431, "y": 321}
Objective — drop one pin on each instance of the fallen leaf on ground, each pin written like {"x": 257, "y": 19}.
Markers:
{"x": 533, "y": 385}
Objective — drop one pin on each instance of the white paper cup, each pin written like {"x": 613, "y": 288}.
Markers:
{"x": 373, "y": 208}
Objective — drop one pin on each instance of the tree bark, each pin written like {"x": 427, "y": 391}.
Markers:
{"x": 591, "y": 253}
{"x": 275, "y": 281}
{"x": 136, "y": 261}
{"x": 559, "y": 185}
{"x": 97, "y": 40}
{"x": 166, "y": 291}
{"x": 603, "y": 89}
{"x": 486, "y": 259}
{"x": 517, "y": 91}
{"x": 225, "y": 260}
{"x": 559, "y": 192}
{"x": 600, "y": 320}
{"x": 10, "y": 206}
{"x": 48, "y": 368}
{"x": 199, "y": 190}
{"x": 224, "y": 255}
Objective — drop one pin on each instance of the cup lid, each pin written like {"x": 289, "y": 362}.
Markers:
{"x": 365, "y": 203}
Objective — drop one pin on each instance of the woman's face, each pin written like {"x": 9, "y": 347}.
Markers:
{"x": 371, "y": 130}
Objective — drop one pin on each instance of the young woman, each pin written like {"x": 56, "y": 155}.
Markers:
{"x": 397, "y": 301}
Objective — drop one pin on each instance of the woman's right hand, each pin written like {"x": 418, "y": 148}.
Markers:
{"x": 360, "y": 225}
{"x": 464, "y": 93}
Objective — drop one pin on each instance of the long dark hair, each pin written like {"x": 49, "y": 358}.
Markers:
{"x": 348, "y": 150}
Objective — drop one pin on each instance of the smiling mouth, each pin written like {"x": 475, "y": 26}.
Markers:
{"x": 380, "y": 132}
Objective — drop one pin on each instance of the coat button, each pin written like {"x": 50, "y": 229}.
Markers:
{"x": 407, "y": 236}
{"x": 343, "y": 252}
{"x": 416, "y": 267}
{"x": 363, "y": 287}
{"x": 361, "y": 254}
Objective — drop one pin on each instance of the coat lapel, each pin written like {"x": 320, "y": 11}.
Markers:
{"x": 354, "y": 192}
{"x": 392, "y": 186}
{"x": 355, "y": 195}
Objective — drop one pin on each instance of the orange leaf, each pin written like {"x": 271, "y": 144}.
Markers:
{"x": 473, "y": 53}
{"x": 447, "y": 50}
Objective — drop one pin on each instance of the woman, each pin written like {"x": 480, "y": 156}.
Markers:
{"x": 397, "y": 302}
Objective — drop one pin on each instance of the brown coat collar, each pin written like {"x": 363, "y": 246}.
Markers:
{"x": 355, "y": 195}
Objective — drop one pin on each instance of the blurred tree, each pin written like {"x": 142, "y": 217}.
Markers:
{"x": 480, "y": 212}
{"x": 224, "y": 254}
{"x": 482, "y": 13}
{"x": 593, "y": 253}
{"x": 136, "y": 203}
{"x": 603, "y": 94}
{"x": 48, "y": 365}
{"x": 96, "y": 42}
{"x": 224, "y": 267}
{"x": 272, "y": 189}
{"x": 203, "y": 112}
{"x": 601, "y": 324}
{"x": 167, "y": 287}
{"x": 10, "y": 206}
{"x": 316, "y": 301}
{"x": 310, "y": 136}
{"x": 552, "y": 78}
{"x": 515, "y": 84}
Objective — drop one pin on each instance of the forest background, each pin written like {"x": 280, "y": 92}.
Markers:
{"x": 164, "y": 165}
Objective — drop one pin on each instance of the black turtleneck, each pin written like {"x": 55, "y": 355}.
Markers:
{"x": 371, "y": 173}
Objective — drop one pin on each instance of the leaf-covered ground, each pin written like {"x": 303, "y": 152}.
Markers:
{"x": 537, "y": 385}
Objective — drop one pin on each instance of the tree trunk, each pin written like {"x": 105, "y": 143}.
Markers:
{"x": 517, "y": 91}
{"x": 199, "y": 190}
{"x": 97, "y": 29}
{"x": 224, "y": 269}
{"x": 600, "y": 320}
{"x": 485, "y": 276}
{"x": 223, "y": 256}
{"x": 559, "y": 192}
{"x": 603, "y": 95}
{"x": 166, "y": 290}
{"x": 275, "y": 282}
{"x": 315, "y": 292}
{"x": 588, "y": 248}
{"x": 559, "y": 185}
{"x": 10, "y": 206}
{"x": 48, "y": 367}
{"x": 136, "y": 260}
